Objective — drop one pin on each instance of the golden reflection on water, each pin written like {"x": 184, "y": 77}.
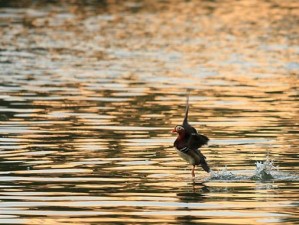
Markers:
{"x": 90, "y": 91}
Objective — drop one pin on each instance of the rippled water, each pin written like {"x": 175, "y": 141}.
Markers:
{"x": 90, "y": 92}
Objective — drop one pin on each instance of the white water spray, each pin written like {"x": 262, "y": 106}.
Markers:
{"x": 264, "y": 170}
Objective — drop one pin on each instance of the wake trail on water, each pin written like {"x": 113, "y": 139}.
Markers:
{"x": 264, "y": 171}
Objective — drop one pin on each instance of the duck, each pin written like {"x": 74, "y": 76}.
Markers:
{"x": 189, "y": 142}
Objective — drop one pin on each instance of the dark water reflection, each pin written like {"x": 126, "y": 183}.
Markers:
{"x": 90, "y": 91}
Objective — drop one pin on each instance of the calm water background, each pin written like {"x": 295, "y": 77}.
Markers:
{"x": 90, "y": 91}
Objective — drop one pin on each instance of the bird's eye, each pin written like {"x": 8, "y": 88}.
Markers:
{"x": 179, "y": 128}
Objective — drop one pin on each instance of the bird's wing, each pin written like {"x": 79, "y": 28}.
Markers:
{"x": 185, "y": 121}
{"x": 196, "y": 140}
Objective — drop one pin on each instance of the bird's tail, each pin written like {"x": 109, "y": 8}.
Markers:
{"x": 204, "y": 164}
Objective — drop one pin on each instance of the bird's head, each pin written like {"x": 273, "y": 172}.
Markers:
{"x": 179, "y": 129}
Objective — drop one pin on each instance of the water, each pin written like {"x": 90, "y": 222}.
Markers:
{"x": 90, "y": 92}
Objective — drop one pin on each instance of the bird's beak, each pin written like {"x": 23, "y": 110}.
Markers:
{"x": 173, "y": 131}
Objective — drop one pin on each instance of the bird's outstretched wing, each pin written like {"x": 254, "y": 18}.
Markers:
{"x": 185, "y": 122}
{"x": 196, "y": 140}
{"x": 188, "y": 128}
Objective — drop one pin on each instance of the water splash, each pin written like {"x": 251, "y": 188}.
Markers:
{"x": 264, "y": 170}
{"x": 224, "y": 174}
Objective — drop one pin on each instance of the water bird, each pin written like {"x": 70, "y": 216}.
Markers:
{"x": 188, "y": 143}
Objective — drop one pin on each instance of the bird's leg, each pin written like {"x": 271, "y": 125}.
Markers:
{"x": 193, "y": 174}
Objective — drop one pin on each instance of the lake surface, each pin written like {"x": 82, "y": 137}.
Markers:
{"x": 89, "y": 94}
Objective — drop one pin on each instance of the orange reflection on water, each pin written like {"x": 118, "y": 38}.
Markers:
{"x": 90, "y": 92}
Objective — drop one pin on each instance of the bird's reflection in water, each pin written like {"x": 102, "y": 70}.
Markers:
{"x": 194, "y": 192}
{"x": 200, "y": 187}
